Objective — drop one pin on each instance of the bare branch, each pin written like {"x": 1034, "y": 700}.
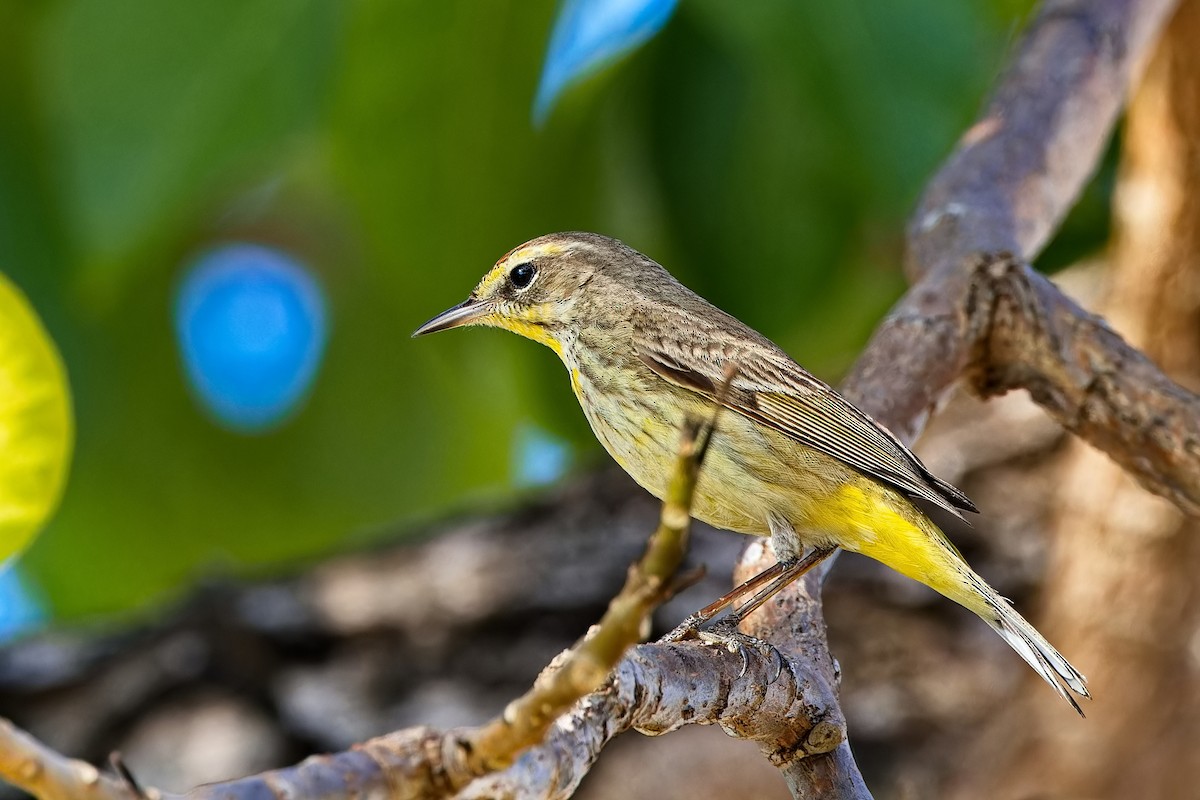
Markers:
{"x": 30, "y": 765}
{"x": 834, "y": 775}
{"x": 753, "y": 704}
{"x": 1018, "y": 170}
{"x": 1090, "y": 380}
{"x": 973, "y": 312}
{"x": 976, "y": 312}
{"x": 814, "y": 757}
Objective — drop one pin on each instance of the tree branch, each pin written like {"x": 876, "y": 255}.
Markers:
{"x": 1090, "y": 380}
{"x": 1012, "y": 178}
{"x": 977, "y": 311}
{"x": 972, "y": 311}
{"x": 1018, "y": 170}
{"x": 30, "y": 765}
{"x": 754, "y": 705}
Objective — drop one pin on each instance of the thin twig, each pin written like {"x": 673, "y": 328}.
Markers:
{"x": 30, "y": 765}
{"x": 584, "y": 668}
{"x": 1005, "y": 189}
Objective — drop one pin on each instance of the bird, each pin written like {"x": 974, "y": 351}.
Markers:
{"x": 792, "y": 459}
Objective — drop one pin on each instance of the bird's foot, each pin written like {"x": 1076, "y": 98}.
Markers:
{"x": 724, "y": 633}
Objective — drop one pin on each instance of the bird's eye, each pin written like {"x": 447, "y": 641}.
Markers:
{"x": 521, "y": 275}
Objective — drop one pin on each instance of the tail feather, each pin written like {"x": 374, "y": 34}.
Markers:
{"x": 1037, "y": 652}
{"x": 910, "y": 543}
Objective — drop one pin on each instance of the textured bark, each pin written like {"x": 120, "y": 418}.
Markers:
{"x": 1012, "y": 178}
{"x": 1122, "y": 595}
{"x": 1090, "y": 380}
{"x": 974, "y": 311}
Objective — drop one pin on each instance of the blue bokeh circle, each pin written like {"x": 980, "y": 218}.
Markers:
{"x": 252, "y": 325}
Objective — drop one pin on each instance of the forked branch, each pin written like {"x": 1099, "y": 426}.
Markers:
{"x": 976, "y": 310}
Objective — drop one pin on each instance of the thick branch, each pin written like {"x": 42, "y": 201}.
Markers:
{"x": 1005, "y": 189}
{"x": 1018, "y": 170}
{"x": 973, "y": 311}
{"x": 1012, "y": 178}
{"x": 753, "y": 704}
{"x": 834, "y": 775}
{"x": 1089, "y": 379}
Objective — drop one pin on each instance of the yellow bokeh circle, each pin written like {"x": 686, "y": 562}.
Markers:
{"x": 36, "y": 430}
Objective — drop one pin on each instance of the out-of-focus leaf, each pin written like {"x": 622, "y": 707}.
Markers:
{"x": 35, "y": 423}
{"x": 590, "y": 33}
{"x": 156, "y": 104}
{"x": 766, "y": 152}
{"x": 793, "y": 138}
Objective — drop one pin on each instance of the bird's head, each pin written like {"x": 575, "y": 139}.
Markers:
{"x": 540, "y": 289}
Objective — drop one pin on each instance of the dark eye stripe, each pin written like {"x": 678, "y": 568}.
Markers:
{"x": 521, "y": 275}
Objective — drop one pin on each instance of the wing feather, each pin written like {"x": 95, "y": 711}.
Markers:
{"x": 776, "y": 391}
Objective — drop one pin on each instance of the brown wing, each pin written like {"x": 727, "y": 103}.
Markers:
{"x": 774, "y": 390}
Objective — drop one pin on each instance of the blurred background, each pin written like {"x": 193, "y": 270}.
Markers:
{"x": 231, "y": 214}
{"x": 767, "y": 154}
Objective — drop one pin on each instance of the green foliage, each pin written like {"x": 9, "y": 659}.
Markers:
{"x": 155, "y": 102}
{"x": 767, "y": 152}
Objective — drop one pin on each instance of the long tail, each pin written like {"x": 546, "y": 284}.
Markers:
{"x": 909, "y": 542}
{"x": 974, "y": 593}
{"x": 1031, "y": 645}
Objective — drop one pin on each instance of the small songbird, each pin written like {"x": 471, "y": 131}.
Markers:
{"x": 794, "y": 460}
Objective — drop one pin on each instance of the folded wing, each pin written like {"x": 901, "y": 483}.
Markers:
{"x": 774, "y": 390}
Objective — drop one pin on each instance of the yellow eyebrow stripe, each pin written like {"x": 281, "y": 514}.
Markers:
{"x": 497, "y": 273}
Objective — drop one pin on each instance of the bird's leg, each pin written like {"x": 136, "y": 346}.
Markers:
{"x": 764, "y": 586}
{"x": 694, "y": 620}
{"x": 791, "y": 571}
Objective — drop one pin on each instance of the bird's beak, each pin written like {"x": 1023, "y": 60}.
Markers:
{"x": 464, "y": 313}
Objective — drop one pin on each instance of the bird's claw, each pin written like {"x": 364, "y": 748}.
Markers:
{"x": 724, "y": 633}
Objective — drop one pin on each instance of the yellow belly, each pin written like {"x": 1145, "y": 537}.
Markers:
{"x": 753, "y": 473}
{"x": 750, "y": 471}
